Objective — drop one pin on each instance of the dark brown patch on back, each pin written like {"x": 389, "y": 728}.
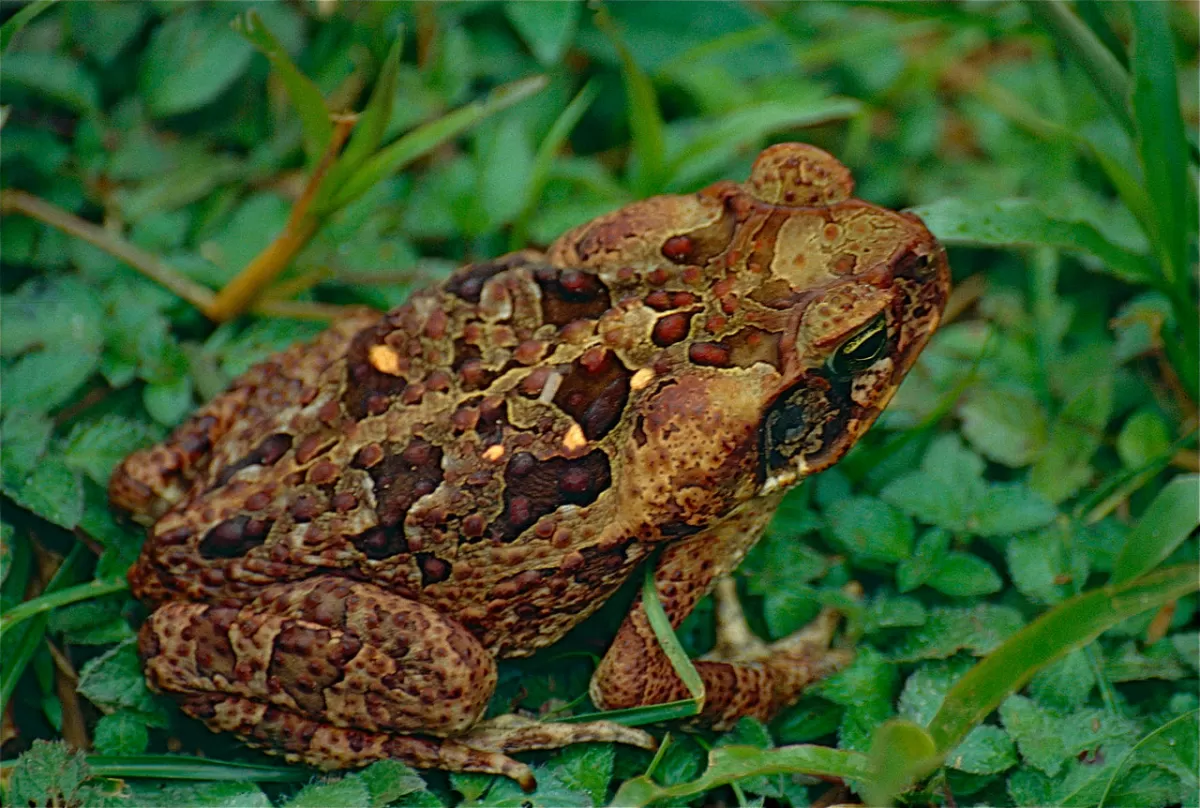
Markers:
{"x": 594, "y": 391}
{"x": 534, "y": 488}
{"x": 305, "y": 661}
{"x": 266, "y": 453}
{"x": 368, "y": 391}
{"x": 234, "y": 537}
{"x": 404, "y": 476}
{"x": 571, "y": 294}
{"x": 600, "y": 565}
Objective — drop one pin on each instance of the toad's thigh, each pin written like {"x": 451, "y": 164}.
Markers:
{"x": 349, "y": 654}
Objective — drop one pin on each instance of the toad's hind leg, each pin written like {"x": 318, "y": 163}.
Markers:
{"x": 149, "y": 481}
{"x": 742, "y": 675}
{"x": 337, "y": 674}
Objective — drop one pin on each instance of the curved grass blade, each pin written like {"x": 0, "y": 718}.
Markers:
{"x": 1070, "y": 625}
{"x": 1024, "y": 223}
{"x": 645, "y": 117}
{"x": 426, "y": 138}
{"x": 901, "y": 753}
{"x": 19, "y": 20}
{"x": 61, "y": 597}
{"x": 1170, "y": 518}
{"x": 372, "y": 122}
{"x": 305, "y": 97}
{"x": 729, "y": 764}
{"x": 559, "y": 130}
{"x": 666, "y": 637}
{"x": 186, "y": 767}
{"x": 1175, "y": 724}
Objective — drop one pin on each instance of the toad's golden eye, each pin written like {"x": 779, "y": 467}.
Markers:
{"x": 861, "y": 350}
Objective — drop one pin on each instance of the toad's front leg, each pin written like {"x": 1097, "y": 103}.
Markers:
{"x": 742, "y": 676}
{"x": 337, "y": 673}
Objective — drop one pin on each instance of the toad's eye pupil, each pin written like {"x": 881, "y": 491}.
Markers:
{"x": 861, "y": 350}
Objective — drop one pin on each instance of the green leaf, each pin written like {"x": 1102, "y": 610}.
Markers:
{"x": 121, "y": 733}
{"x": 192, "y": 57}
{"x": 1047, "y": 741}
{"x": 114, "y": 681}
{"x": 168, "y": 402}
{"x": 1039, "y": 566}
{"x": 186, "y": 767}
{"x": 95, "y": 447}
{"x": 871, "y": 529}
{"x": 58, "y": 312}
{"x": 1064, "y": 628}
{"x": 1064, "y": 685}
{"x": 52, "y": 491}
{"x": 547, "y": 28}
{"x": 44, "y": 380}
{"x": 914, "y": 571}
{"x": 1144, "y": 438}
{"x": 1025, "y": 223}
{"x": 1011, "y": 508}
{"x": 389, "y": 780}
{"x": 306, "y": 98}
{"x": 1166, "y": 522}
{"x": 347, "y": 792}
{"x": 1173, "y": 746}
{"x": 1161, "y": 139}
{"x": 866, "y": 689}
{"x": 24, "y": 436}
{"x": 1006, "y": 426}
{"x": 978, "y": 629}
{"x": 425, "y": 138}
{"x": 48, "y": 774}
{"x": 1065, "y": 463}
{"x": 586, "y": 768}
{"x": 986, "y": 750}
{"x": 727, "y": 764}
{"x": 963, "y": 575}
{"x": 372, "y": 123}
{"x": 58, "y": 78}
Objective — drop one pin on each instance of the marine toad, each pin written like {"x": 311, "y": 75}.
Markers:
{"x": 343, "y": 543}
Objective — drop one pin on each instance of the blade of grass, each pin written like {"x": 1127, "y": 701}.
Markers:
{"x": 185, "y": 767}
{"x": 1077, "y": 40}
{"x": 371, "y": 126}
{"x": 19, "y": 20}
{"x": 728, "y": 764}
{"x": 428, "y": 137}
{"x": 562, "y": 127}
{"x": 901, "y": 753}
{"x": 1168, "y": 520}
{"x": 305, "y": 97}
{"x": 1182, "y": 721}
{"x": 645, "y": 118}
{"x": 1024, "y": 223}
{"x": 60, "y": 597}
{"x": 665, "y": 634}
{"x": 1070, "y": 625}
{"x": 18, "y": 652}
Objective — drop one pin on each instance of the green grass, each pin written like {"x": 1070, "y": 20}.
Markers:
{"x": 1023, "y": 518}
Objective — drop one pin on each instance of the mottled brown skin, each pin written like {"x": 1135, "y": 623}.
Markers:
{"x": 343, "y": 543}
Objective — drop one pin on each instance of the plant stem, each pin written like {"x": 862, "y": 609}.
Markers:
{"x": 61, "y": 597}
{"x": 13, "y": 201}
{"x": 239, "y": 293}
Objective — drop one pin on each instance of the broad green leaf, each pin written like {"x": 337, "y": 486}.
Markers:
{"x": 727, "y": 764}
{"x": 987, "y": 749}
{"x": 24, "y": 436}
{"x": 57, "y": 78}
{"x": 963, "y": 575}
{"x": 1066, "y": 684}
{"x": 53, "y": 491}
{"x": 1008, "y": 427}
{"x": 547, "y": 28}
{"x": 1173, "y": 746}
{"x": 48, "y": 774}
{"x": 305, "y": 97}
{"x": 44, "y": 380}
{"x": 121, "y": 733}
{"x": 1026, "y": 223}
{"x": 1166, "y": 522}
{"x": 947, "y": 631}
{"x": 347, "y": 792}
{"x": 1069, "y": 625}
{"x": 95, "y": 447}
{"x": 1010, "y": 508}
{"x": 1065, "y": 463}
{"x": 114, "y": 681}
{"x": 586, "y": 768}
{"x": 427, "y": 137}
{"x": 871, "y": 529}
{"x": 1047, "y": 741}
{"x": 1039, "y": 566}
{"x": 1144, "y": 438}
{"x": 866, "y": 688}
{"x": 192, "y": 57}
